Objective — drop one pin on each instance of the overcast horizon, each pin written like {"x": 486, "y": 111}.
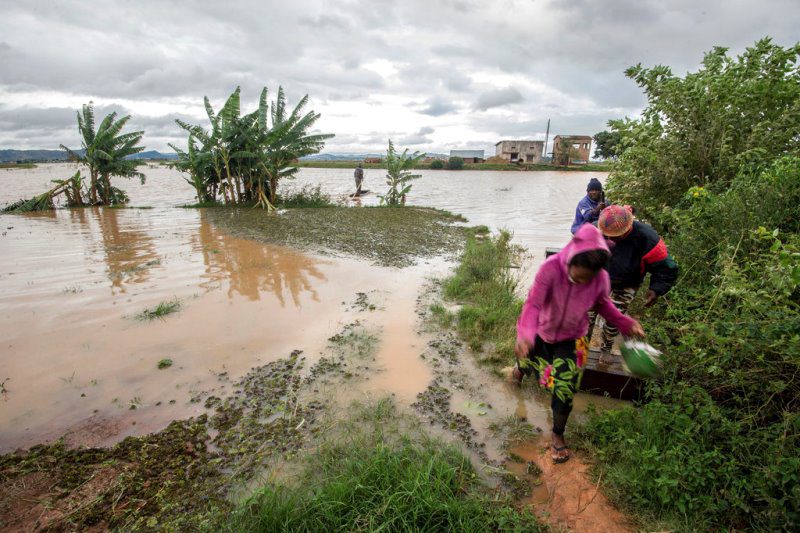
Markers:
{"x": 432, "y": 76}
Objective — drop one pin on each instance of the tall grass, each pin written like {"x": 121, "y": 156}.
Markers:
{"x": 306, "y": 196}
{"x": 485, "y": 286}
{"x": 373, "y": 477}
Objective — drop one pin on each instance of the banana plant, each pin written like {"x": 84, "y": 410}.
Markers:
{"x": 105, "y": 153}
{"x": 248, "y": 155}
{"x": 398, "y": 175}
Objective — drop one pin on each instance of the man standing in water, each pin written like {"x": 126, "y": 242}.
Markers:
{"x": 636, "y": 249}
{"x": 589, "y": 207}
{"x": 359, "y": 175}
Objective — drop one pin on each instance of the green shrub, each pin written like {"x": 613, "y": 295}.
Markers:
{"x": 714, "y": 163}
{"x": 717, "y": 445}
{"x": 455, "y": 163}
{"x": 699, "y": 129}
{"x": 437, "y": 164}
{"x": 307, "y": 196}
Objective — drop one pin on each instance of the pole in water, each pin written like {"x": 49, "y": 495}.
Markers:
{"x": 546, "y": 138}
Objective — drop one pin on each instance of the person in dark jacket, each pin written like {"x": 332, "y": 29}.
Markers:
{"x": 636, "y": 249}
{"x": 589, "y": 207}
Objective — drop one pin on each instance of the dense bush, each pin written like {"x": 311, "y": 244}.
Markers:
{"x": 437, "y": 164}
{"x": 718, "y": 443}
{"x": 306, "y": 196}
{"x": 716, "y": 446}
{"x": 455, "y": 163}
{"x": 700, "y": 129}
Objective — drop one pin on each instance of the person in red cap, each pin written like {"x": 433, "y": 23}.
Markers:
{"x": 636, "y": 249}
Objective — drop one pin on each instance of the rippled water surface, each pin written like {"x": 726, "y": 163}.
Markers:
{"x": 72, "y": 281}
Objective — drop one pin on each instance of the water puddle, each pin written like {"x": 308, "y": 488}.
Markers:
{"x": 72, "y": 283}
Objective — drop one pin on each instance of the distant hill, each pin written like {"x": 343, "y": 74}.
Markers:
{"x": 152, "y": 155}
{"x": 33, "y": 156}
{"x": 13, "y": 156}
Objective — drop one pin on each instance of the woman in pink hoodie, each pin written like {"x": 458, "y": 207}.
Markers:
{"x": 554, "y": 322}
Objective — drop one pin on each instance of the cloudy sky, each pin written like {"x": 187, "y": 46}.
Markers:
{"x": 431, "y": 75}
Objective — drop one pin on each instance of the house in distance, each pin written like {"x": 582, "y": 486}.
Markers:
{"x": 469, "y": 156}
{"x": 520, "y": 151}
{"x": 571, "y": 149}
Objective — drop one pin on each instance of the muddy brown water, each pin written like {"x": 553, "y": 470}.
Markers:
{"x": 74, "y": 359}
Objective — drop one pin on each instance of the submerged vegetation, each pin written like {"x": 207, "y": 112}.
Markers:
{"x": 390, "y": 236}
{"x": 160, "y": 311}
{"x": 714, "y": 164}
{"x": 241, "y": 159}
{"x": 71, "y": 188}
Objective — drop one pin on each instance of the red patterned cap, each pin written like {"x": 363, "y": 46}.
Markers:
{"x": 615, "y": 221}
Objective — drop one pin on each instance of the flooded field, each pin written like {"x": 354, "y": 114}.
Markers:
{"x": 538, "y": 207}
{"x": 76, "y": 359}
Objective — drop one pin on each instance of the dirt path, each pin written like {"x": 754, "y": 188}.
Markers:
{"x": 504, "y": 428}
{"x": 566, "y": 497}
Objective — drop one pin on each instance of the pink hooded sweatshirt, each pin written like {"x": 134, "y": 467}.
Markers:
{"x": 557, "y": 309}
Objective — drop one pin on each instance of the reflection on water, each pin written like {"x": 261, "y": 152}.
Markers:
{"x": 251, "y": 268}
{"x": 71, "y": 282}
{"x": 128, "y": 252}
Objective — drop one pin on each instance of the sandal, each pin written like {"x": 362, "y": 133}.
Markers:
{"x": 560, "y": 459}
{"x": 517, "y": 375}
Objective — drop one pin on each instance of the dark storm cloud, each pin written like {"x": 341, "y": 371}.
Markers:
{"x": 420, "y": 137}
{"x": 437, "y": 106}
{"x": 498, "y": 98}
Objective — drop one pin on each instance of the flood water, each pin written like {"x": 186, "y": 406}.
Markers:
{"x": 75, "y": 359}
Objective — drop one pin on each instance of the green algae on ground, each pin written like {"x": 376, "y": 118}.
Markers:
{"x": 384, "y": 235}
{"x": 177, "y": 479}
{"x": 182, "y": 477}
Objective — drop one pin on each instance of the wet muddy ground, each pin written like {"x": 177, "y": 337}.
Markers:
{"x": 266, "y": 341}
{"x": 73, "y": 283}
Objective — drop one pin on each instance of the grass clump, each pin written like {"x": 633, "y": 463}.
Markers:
{"x": 164, "y": 363}
{"x": 307, "y": 196}
{"x": 486, "y": 288}
{"x": 375, "y": 477}
{"x": 160, "y": 311}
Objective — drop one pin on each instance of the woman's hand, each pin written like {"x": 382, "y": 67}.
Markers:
{"x": 651, "y": 298}
{"x": 522, "y": 348}
{"x": 636, "y": 329}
